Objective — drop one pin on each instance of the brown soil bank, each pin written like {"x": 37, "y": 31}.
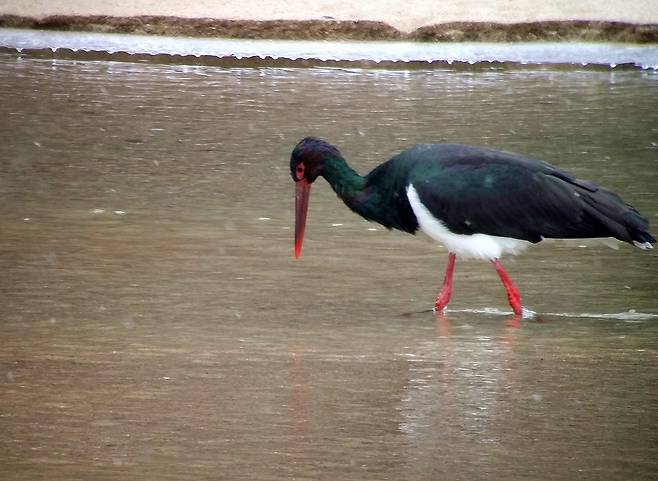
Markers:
{"x": 577, "y": 30}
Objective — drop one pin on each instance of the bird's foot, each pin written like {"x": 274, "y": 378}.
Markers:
{"x": 439, "y": 309}
{"x": 441, "y": 302}
{"x": 515, "y": 303}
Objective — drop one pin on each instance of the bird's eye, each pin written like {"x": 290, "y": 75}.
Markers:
{"x": 299, "y": 171}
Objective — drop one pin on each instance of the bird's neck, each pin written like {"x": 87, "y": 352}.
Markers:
{"x": 379, "y": 198}
{"x": 345, "y": 181}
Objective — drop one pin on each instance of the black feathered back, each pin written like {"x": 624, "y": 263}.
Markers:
{"x": 475, "y": 190}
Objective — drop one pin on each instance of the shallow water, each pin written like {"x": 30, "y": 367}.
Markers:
{"x": 155, "y": 326}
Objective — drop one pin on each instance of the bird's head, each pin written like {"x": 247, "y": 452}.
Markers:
{"x": 308, "y": 158}
{"x": 307, "y": 163}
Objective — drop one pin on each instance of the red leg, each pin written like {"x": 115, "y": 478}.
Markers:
{"x": 443, "y": 297}
{"x": 513, "y": 295}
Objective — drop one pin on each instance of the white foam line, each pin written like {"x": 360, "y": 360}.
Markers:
{"x": 630, "y": 315}
{"x": 577, "y": 53}
{"x": 622, "y": 316}
{"x": 527, "y": 313}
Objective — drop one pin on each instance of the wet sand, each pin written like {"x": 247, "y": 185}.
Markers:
{"x": 521, "y": 20}
{"x": 345, "y": 30}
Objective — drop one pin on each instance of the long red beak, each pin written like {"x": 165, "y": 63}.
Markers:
{"x": 302, "y": 192}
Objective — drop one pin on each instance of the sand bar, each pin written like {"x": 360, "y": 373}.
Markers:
{"x": 631, "y": 20}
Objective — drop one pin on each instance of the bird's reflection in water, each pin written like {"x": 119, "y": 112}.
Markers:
{"x": 458, "y": 387}
{"x": 444, "y": 326}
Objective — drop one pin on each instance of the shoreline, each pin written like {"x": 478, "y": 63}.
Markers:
{"x": 329, "y": 29}
{"x": 403, "y": 54}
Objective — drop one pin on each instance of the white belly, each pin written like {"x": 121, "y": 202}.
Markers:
{"x": 479, "y": 246}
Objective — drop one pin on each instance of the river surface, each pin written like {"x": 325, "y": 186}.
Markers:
{"x": 155, "y": 326}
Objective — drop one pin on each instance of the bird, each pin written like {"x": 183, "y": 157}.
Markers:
{"x": 478, "y": 202}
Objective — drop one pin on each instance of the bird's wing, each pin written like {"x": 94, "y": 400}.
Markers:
{"x": 504, "y": 197}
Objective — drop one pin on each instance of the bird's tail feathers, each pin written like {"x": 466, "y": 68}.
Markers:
{"x": 638, "y": 229}
{"x": 642, "y": 238}
{"x": 622, "y": 220}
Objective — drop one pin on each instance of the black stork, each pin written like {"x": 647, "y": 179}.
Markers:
{"x": 480, "y": 203}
